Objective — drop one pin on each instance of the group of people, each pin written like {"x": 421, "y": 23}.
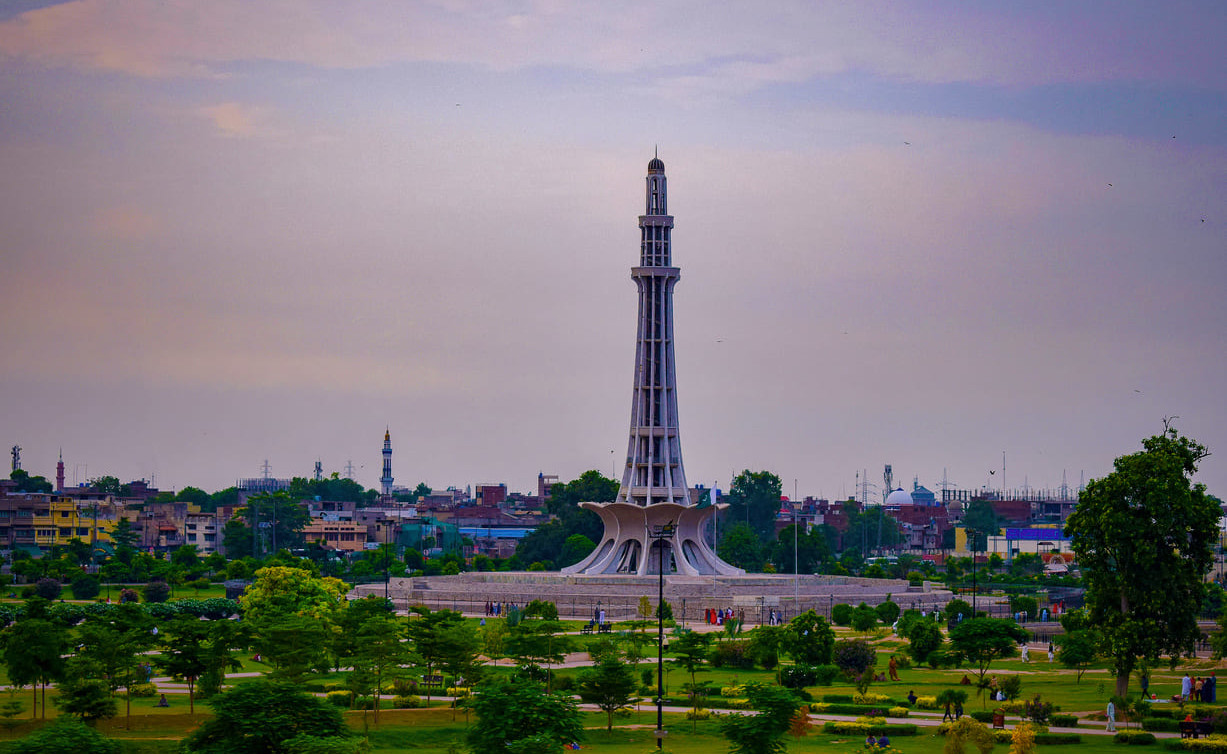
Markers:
{"x": 1199, "y": 689}
{"x": 881, "y": 742}
{"x": 717, "y": 616}
{"x": 495, "y": 609}
{"x": 949, "y": 715}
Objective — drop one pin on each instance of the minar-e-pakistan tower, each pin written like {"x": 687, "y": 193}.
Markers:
{"x": 654, "y": 492}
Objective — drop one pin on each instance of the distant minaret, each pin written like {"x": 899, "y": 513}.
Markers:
{"x": 385, "y": 481}
{"x": 16, "y": 454}
{"x": 59, "y": 473}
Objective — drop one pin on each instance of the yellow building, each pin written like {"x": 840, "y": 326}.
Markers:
{"x": 32, "y": 520}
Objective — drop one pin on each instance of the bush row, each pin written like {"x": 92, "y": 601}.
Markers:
{"x": 70, "y": 614}
{"x": 865, "y": 729}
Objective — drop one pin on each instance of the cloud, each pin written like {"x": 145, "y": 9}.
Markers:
{"x": 237, "y": 120}
{"x": 742, "y": 46}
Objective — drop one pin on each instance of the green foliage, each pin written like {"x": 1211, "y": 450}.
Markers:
{"x": 89, "y": 699}
{"x": 854, "y": 657}
{"x": 521, "y": 716}
{"x": 85, "y": 587}
{"x": 541, "y": 609}
{"x": 864, "y": 618}
{"x": 808, "y": 639}
{"x": 754, "y": 500}
{"x": 1024, "y": 603}
{"x": 740, "y": 546}
{"x": 811, "y": 546}
{"x": 841, "y": 614}
{"x": 574, "y": 549}
{"x": 762, "y": 733}
{"x": 968, "y": 732}
{"x": 261, "y": 716}
{"x": 1078, "y": 649}
{"x": 548, "y": 542}
{"x": 48, "y": 589}
{"x": 955, "y": 608}
{"x": 34, "y": 650}
{"x": 887, "y": 612}
{"x": 982, "y": 640}
{"x": 27, "y": 483}
{"x": 66, "y": 735}
{"x": 609, "y": 685}
{"x": 157, "y": 591}
{"x": 1144, "y": 592}
{"x": 924, "y": 638}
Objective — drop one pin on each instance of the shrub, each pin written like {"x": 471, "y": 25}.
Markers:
{"x": 982, "y": 715}
{"x": 157, "y": 591}
{"x": 698, "y": 714}
{"x": 1065, "y": 721}
{"x": 458, "y": 691}
{"x": 340, "y": 698}
{"x": 66, "y": 735}
{"x": 1011, "y": 686}
{"x": 837, "y": 698}
{"x": 877, "y": 699}
{"x": 405, "y": 686}
{"x": 564, "y": 682}
{"x": 1160, "y": 724}
{"x": 364, "y": 702}
{"x": 898, "y": 712}
{"x": 887, "y": 611}
{"x": 797, "y": 676}
{"x": 48, "y": 589}
{"x": 1134, "y": 738}
{"x": 406, "y": 702}
{"x": 862, "y": 729}
{"x": 927, "y": 702}
{"x": 142, "y": 690}
{"x": 841, "y": 614}
{"x": 732, "y": 691}
{"x": 85, "y": 587}
{"x": 732, "y": 654}
{"x": 1057, "y": 739}
{"x": 541, "y": 609}
{"x": 129, "y": 595}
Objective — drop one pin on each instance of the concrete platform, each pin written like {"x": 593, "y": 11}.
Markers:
{"x": 579, "y": 596}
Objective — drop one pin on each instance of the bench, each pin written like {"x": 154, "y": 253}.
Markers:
{"x": 586, "y": 629}
{"x": 1195, "y": 729}
{"x": 605, "y": 628}
{"x": 432, "y": 680}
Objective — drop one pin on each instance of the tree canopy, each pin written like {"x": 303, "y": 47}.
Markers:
{"x": 754, "y": 500}
{"x": 1144, "y": 592}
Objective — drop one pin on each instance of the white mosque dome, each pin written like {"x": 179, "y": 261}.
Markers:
{"x": 899, "y": 497}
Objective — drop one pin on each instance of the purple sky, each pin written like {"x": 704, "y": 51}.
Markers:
{"x": 918, "y": 234}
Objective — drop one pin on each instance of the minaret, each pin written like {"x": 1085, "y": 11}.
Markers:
{"x": 654, "y": 472}
{"x": 59, "y": 473}
{"x": 385, "y": 481}
{"x": 653, "y": 494}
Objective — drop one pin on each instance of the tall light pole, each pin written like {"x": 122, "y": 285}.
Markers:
{"x": 796, "y": 562}
{"x": 659, "y": 535}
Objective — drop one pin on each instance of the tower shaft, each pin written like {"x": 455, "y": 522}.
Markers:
{"x": 385, "y": 481}
{"x": 654, "y": 471}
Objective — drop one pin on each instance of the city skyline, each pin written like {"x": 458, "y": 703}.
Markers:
{"x": 923, "y": 236}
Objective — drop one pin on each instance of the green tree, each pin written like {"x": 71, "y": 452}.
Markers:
{"x": 762, "y": 733}
{"x": 111, "y": 646}
{"x": 924, "y": 638}
{"x": 87, "y": 698}
{"x": 982, "y": 640}
{"x": 123, "y": 535}
{"x": 1078, "y": 649}
{"x": 192, "y": 648}
{"x": 855, "y": 658}
{"x": 1144, "y": 592}
{"x": 193, "y": 496}
{"x": 110, "y": 485}
{"x": 34, "y": 650}
{"x": 536, "y": 642}
{"x": 981, "y": 522}
{"x": 809, "y": 640}
{"x": 689, "y": 650}
{"x": 509, "y": 712}
{"x": 65, "y": 736}
{"x": 379, "y": 650}
{"x": 741, "y": 547}
{"x": 85, "y": 586}
{"x": 609, "y": 685}
{"x": 27, "y": 483}
{"x": 548, "y": 542}
{"x": 292, "y": 615}
{"x": 280, "y": 517}
{"x": 754, "y": 500}
{"x": 260, "y": 717}
{"x": 576, "y": 548}
{"x": 432, "y": 635}
{"x": 864, "y": 618}
{"x": 812, "y": 550}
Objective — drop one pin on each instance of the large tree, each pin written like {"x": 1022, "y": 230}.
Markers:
{"x": 754, "y": 500}
{"x": 609, "y": 685}
{"x": 520, "y": 716}
{"x": 982, "y": 640}
{"x": 1144, "y": 538}
{"x": 548, "y": 542}
{"x": 34, "y": 649}
{"x": 740, "y": 546}
{"x": 260, "y": 717}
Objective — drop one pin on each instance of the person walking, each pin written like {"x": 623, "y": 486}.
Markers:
{"x": 1186, "y": 687}
{"x": 948, "y": 716}
{"x": 894, "y": 669}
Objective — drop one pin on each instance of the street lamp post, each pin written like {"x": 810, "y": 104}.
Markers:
{"x": 659, "y": 535}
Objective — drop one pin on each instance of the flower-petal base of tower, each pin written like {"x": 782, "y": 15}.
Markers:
{"x": 627, "y": 546}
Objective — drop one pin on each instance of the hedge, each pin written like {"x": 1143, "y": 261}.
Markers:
{"x": 1160, "y": 724}
{"x": 1134, "y": 738}
{"x": 837, "y": 698}
{"x": 1057, "y": 739}
{"x": 1211, "y": 743}
{"x": 826, "y": 708}
{"x": 862, "y": 729}
{"x": 1064, "y": 721}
